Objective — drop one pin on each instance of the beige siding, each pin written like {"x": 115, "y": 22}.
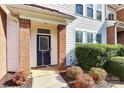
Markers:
{"x": 12, "y": 45}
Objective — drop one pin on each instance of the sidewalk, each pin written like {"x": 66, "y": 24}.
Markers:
{"x": 48, "y": 79}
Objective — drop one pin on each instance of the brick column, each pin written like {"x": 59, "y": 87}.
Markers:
{"x": 24, "y": 45}
{"x": 3, "y": 20}
{"x": 111, "y": 35}
{"x": 61, "y": 44}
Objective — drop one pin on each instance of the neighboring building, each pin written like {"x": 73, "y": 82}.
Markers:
{"x": 40, "y": 35}
{"x": 115, "y": 23}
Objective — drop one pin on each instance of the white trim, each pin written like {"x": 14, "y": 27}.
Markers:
{"x": 115, "y": 35}
{"x": 42, "y": 20}
{"x": 43, "y": 34}
{"x": 84, "y": 10}
{"x": 84, "y": 30}
{"x": 94, "y": 11}
{"x": 84, "y": 35}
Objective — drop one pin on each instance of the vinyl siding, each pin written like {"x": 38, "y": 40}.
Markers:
{"x": 81, "y": 22}
{"x": 12, "y": 45}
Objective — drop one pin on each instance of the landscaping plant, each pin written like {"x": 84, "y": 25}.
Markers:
{"x": 73, "y": 71}
{"x": 19, "y": 78}
{"x": 94, "y": 55}
{"x": 98, "y": 74}
{"x": 116, "y": 67}
{"x": 84, "y": 81}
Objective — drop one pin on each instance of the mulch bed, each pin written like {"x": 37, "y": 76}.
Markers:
{"x": 8, "y": 76}
{"x": 69, "y": 82}
{"x": 102, "y": 84}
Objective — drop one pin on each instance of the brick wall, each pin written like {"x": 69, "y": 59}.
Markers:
{"x": 61, "y": 44}
{"x": 24, "y": 45}
{"x": 120, "y": 37}
{"x": 111, "y": 35}
{"x": 120, "y": 15}
{"x": 2, "y": 43}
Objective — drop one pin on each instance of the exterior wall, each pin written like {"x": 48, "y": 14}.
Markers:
{"x": 81, "y": 22}
{"x": 111, "y": 35}
{"x": 3, "y": 18}
{"x": 120, "y": 37}
{"x": 12, "y": 45}
{"x": 61, "y": 44}
{"x": 110, "y": 10}
{"x": 120, "y": 14}
{"x": 53, "y": 32}
{"x": 24, "y": 45}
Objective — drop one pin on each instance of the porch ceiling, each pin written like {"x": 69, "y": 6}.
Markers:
{"x": 120, "y": 26}
{"x": 29, "y": 12}
{"x": 119, "y": 29}
{"x": 116, "y": 6}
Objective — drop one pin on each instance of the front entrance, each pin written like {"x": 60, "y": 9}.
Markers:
{"x": 43, "y": 50}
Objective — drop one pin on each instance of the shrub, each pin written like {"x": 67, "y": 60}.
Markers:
{"x": 116, "y": 67}
{"x": 94, "y": 55}
{"x": 120, "y": 51}
{"x": 84, "y": 81}
{"x": 98, "y": 74}
{"x": 110, "y": 51}
{"x": 73, "y": 71}
{"x": 19, "y": 78}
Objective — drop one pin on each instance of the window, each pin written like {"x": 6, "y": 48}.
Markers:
{"x": 98, "y": 38}
{"x": 90, "y": 10}
{"x": 79, "y": 36}
{"x": 99, "y": 11}
{"x": 89, "y": 37}
{"x": 110, "y": 16}
{"x": 79, "y": 9}
{"x": 43, "y": 43}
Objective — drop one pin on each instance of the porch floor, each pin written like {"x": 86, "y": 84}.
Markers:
{"x": 47, "y": 78}
{"x": 42, "y": 71}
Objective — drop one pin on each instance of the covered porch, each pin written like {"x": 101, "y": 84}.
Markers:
{"x": 41, "y": 36}
{"x": 115, "y": 33}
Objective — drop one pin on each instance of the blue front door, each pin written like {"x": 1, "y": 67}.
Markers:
{"x": 43, "y": 50}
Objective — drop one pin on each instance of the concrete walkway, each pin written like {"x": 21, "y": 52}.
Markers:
{"x": 47, "y": 79}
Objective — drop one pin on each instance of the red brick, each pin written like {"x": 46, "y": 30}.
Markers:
{"x": 111, "y": 35}
{"x": 24, "y": 45}
{"x": 61, "y": 44}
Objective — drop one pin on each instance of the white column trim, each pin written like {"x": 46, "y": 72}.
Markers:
{"x": 115, "y": 35}
{"x": 94, "y": 11}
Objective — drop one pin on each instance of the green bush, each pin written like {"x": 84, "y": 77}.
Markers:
{"x": 110, "y": 51}
{"x": 116, "y": 67}
{"x": 94, "y": 55}
{"x": 120, "y": 51}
